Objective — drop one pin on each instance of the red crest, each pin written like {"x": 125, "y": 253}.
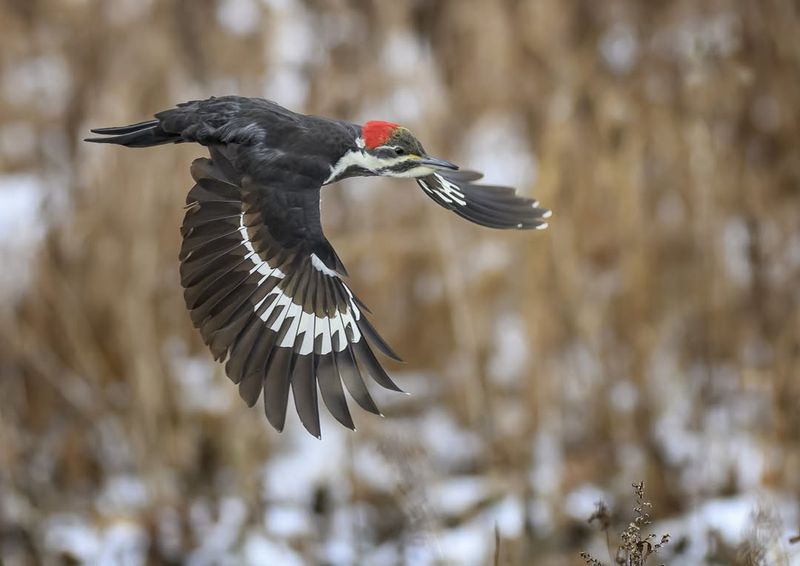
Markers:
{"x": 376, "y": 133}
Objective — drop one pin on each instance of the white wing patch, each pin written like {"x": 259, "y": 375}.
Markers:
{"x": 260, "y": 265}
{"x": 305, "y": 323}
{"x": 446, "y": 191}
{"x": 320, "y": 266}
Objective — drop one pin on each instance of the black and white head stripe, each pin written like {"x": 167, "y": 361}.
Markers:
{"x": 265, "y": 289}
{"x": 487, "y": 205}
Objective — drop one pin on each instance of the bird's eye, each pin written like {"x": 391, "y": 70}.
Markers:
{"x": 399, "y": 151}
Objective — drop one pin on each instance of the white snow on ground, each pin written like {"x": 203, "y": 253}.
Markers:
{"x": 455, "y": 495}
{"x": 619, "y": 48}
{"x": 240, "y": 17}
{"x": 222, "y": 533}
{"x": 515, "y": 166}
{"x": 201, "y": 388}
{"x": 547, "y": 465}
{"x": 401, "y": 54}
{"x": 509, "y": 516}
{"x": 20, "y": 197}
{"x": 372, "y": 467}
{"x": 21, "y": 229}
{"x": 287, "y": 521}
{"x": 582, "y": 501}
{"x": 124, "y": 543}
{"x": 484, "y": 257}
{"x": 121, "y": 542}
{"x": 735, "y": 246}
{"x": 123, "y": 493}
{"x": 445, "y": 440}
{"x": 695, "y": 37}
{"x": 74, "y": 535}
{"x": 386, "y": 554}
{"x": 305, "y": 463}
{"x": 259, "y": 550}
{"x": 291, "y": 47}
{"x": 467, "y": 544}
{"x": 44, "y": 80}
{"x": 217, "y": 538}
{"x": 734, "y": 519}
{"x": 511, "y": 349}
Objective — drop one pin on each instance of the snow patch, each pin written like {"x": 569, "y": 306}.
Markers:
{"x": 619, "y": 48}
{"x": 240, "y": 17}
{"x": 515, "y": 166}
{"x": 21, "y": 229}
{"x": 511, "y": 356}
{"x": 305, "y": 464}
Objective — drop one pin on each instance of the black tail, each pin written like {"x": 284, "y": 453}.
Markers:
{"x": 143, "y": 134}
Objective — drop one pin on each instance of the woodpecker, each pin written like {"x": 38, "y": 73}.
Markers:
{"x": 262, "y": 283}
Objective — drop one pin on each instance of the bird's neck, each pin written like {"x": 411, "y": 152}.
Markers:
{"x": 355, "y": 162}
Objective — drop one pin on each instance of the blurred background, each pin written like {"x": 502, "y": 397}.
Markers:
{"x": 652, "y": 333}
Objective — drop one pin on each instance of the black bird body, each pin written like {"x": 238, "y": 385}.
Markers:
{"x": 262, "y": 283}
{"x": 267, "y": 141}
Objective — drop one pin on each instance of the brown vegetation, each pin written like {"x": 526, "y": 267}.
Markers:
{"x": 652, "y": 333}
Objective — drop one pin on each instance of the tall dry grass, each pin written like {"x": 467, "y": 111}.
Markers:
{"x": 666, "y": 142}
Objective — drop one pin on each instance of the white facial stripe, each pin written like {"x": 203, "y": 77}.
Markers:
{"x": 360, "y": 158}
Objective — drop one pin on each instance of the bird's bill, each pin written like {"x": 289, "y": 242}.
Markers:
{"x": 437, "y": 163}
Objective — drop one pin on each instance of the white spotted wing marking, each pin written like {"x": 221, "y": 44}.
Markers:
{"x": 309, "y": 325}
{"x": 260, "y": 265}
{"x": 495, "y": 207}
{"x": 319, "y": 265}
{"x": 446, "y": 191}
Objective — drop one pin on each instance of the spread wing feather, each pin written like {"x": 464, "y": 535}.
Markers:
{"x": 487, "y": 205}
{"x": 265, "y": 289}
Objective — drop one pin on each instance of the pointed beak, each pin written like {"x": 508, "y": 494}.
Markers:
{"x": 437, "y": 163}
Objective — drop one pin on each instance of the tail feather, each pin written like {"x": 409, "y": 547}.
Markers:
{"x": 143, "y": 134}
{"x": 125, "y": 129}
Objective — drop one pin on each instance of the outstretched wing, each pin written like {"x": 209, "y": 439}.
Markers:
{"x": 487, "y": 205}
{"x": 265, "y": 289}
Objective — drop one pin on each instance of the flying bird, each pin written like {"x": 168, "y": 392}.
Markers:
{"x": 262, "y": 283}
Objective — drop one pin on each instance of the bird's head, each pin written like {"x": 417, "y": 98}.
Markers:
{"x": 393, "y": 151}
